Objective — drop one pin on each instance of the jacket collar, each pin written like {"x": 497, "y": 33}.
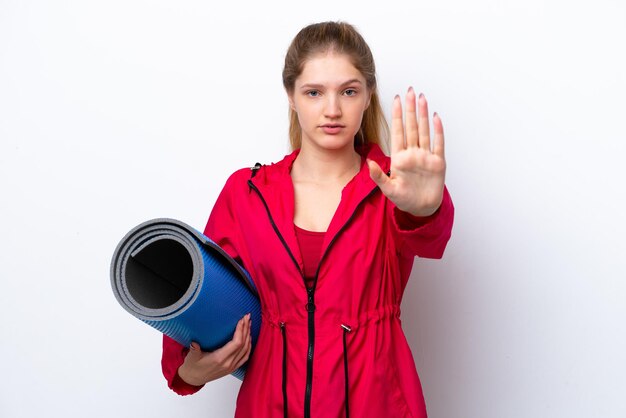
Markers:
{"x": 276, "y": 187}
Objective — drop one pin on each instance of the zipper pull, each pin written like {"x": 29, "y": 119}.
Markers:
{"x": 255, "y": 169}
{"x": 310, "y": 306}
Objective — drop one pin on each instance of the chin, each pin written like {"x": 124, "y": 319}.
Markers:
{"x": 332, "y": 143}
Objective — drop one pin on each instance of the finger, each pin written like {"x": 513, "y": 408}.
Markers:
{"x": 195, "y": 352}
{"x": 412, "y": 137}
{"x": 397, "y": 130}
{"x": 243, "y": 352}
{"x": 248, "y": 350}
{"x": 438, "y": 130}
{"x": 240, "y": 332}
{"x": 424, "y": 128}
{"x": 380, "y": 178}
{"x": 246, "y": 355}
{"x": 225, "y": 356}
{"x": 237, "y": 341}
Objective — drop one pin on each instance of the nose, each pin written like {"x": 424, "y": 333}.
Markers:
{"x": 332, "y": 109}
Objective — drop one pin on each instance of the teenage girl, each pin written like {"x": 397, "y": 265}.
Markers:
{"x": 329, "y": 234}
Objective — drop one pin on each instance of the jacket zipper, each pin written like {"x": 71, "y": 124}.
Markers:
{"x": 310, "y": 305}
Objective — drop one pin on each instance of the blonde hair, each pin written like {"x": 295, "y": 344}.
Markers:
{"x": 341, "y": 38}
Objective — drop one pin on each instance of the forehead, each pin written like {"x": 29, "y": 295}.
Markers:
{"x": 329, "y": 68}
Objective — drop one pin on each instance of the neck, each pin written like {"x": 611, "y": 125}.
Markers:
{"x": 325, "y": 166}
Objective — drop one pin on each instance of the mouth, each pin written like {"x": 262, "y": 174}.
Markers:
{"x": 332, "y": 128}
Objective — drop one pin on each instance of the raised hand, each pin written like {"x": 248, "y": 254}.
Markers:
{"x": 418, "y": 169}
{"x": 201, "y": 367}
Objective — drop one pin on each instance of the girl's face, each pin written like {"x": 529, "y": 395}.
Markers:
{"x": 329, "y": 96}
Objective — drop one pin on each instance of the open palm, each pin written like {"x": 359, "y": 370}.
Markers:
{"x": 418, "y": 170}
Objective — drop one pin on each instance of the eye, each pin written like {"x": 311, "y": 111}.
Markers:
{"x": 312, "y": 93}
{"x": 350, "y": 92}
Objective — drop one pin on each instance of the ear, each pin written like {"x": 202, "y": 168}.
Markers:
{"x": 369, "y": 99}
{"x": 291, "y": 102}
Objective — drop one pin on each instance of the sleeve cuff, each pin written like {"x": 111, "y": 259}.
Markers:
{"x": 181, "y": 387}
{"x": 425, "y": 237}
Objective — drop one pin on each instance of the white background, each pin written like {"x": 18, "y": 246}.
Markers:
{"x": 115, "y": 112}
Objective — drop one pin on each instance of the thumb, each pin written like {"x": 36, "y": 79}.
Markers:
{"x": 377, "y": 174}
{"x": 195, "y": 352}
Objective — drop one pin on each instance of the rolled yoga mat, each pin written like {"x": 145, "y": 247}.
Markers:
{"x": 180, "y": 282}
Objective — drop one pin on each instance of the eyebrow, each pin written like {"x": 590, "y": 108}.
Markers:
{"x": 317, "y": 86}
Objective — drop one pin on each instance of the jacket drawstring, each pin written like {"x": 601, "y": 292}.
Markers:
{"x": 282, "y": 331}
{"x": 346, "y": 330}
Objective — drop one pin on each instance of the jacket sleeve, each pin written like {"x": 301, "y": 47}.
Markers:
{"x": 173, "y": 356}
{"x": 220, "y": 228}
{"x": 424, "y": 237}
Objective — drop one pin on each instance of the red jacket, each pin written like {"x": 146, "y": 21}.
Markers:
{"x": 348, "y": 326}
